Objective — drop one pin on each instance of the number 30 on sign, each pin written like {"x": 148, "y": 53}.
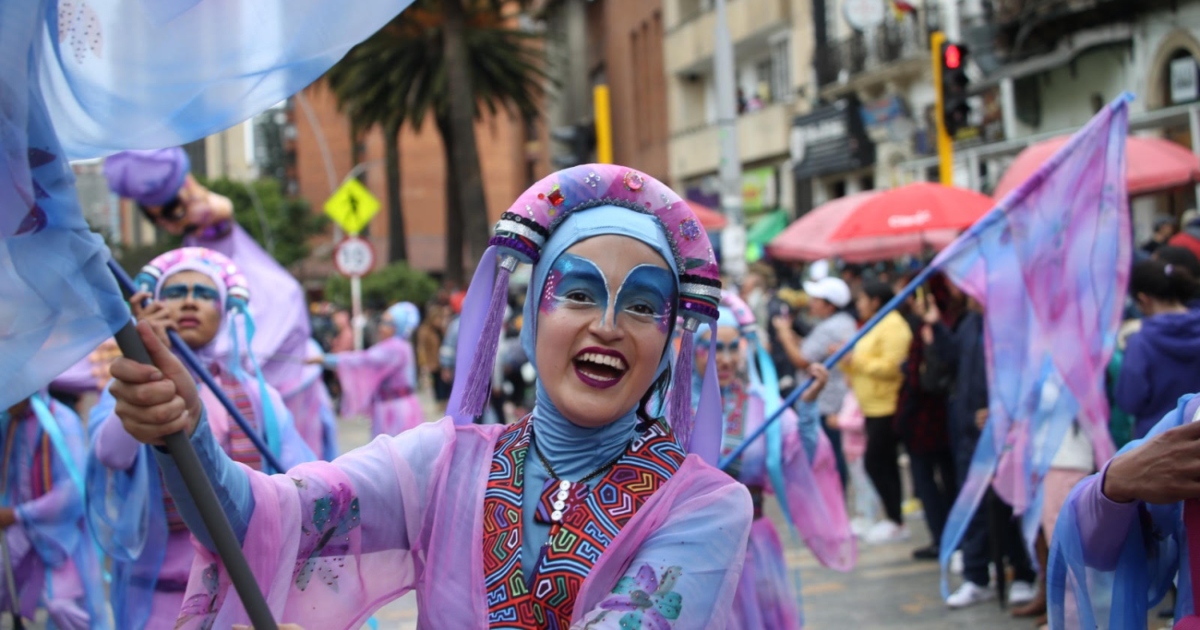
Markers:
{"x": 354, "y": 257}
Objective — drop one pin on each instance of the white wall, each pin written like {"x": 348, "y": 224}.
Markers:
{"x": 1066, "y": 96}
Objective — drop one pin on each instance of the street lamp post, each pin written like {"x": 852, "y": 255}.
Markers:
{"x": 733, "y": 237}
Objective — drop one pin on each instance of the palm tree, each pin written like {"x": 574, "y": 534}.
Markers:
{"x": 402, "y": 76}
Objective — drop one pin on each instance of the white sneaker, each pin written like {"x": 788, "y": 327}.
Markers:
{"x": 956, "y": 562}
{"x": 887, "y": 532}
{"x": 859, "y": 526}
{"x": 1021, "y": 593}
{"x": 970, "y": 594}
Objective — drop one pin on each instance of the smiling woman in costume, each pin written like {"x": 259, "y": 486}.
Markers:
{"x": 201, "y": 295}
{"x": 589, "y": 512}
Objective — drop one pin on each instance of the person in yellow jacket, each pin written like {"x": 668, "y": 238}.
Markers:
{"x": 875, "y": 371}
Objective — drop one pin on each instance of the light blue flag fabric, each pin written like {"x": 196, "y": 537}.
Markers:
{"x": 84, "y": 78}
{"x": 1051, "y": 265}
{"x": 149, "y": 74}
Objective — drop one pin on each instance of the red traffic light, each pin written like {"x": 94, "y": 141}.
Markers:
{"x": 952, "y": 57}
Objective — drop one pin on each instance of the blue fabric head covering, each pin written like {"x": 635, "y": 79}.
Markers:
{"x": 151, "y": 178}
{"x": 572, "y": 448}
{"x": 405, "y": 318}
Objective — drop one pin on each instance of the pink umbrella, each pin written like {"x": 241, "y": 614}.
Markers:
{"x": 914, "y": 208}
{"x": 809, "y": 237}
{"x": 1151, "y": 165}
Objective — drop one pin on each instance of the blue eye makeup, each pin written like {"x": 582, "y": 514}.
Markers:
{"x": 576, "y": 281}
{"x": 178, "y": 292}
{"x": 648, "y": 293}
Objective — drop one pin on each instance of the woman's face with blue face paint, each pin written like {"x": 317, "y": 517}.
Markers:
{"x": 730, "y": 357}
{"x": 604, "y": 317}
{"x": 192, "y": 300}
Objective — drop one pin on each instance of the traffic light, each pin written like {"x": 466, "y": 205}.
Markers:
{"x": 955, "y": 110}
{"x": 579, "y": 142}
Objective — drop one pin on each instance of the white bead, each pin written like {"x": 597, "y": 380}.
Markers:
{"x": 563, "y": 494}
{"x": 556, "y": 516}
{"x": 564, "y": 485}
{"x": 559, "y": 505}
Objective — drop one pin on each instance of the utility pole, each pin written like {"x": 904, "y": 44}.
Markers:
{"x": 733, "y": 237}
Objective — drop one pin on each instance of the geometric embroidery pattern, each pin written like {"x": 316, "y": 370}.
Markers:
{"x": 592, "y": 519}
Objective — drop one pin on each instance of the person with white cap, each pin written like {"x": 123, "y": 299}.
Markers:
{"x": 828, "y": 299}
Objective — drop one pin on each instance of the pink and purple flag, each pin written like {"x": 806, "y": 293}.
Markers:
{"x": 1051, "y": 265}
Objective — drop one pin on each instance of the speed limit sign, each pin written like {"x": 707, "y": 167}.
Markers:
{"x": 354, "y": 257}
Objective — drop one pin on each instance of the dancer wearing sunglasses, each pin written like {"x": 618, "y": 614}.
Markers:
{"x": 201, "y": 295}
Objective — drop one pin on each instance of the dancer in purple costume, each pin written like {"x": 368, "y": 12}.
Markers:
{"x": 199, "y": 294}
{"x": 589, "y": 513}
{"x": 52, "y": 561}
{"x": 160, "y": 183}
{"x": 383, "y": 378}
{"x": 794, "y": 462}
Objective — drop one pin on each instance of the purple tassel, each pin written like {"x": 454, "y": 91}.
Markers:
{"x": 707, "y": 425}
{"x": 479, "y": 380}
{"x": 679, "y": 401}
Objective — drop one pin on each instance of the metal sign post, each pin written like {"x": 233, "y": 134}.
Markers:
{"x": 354, "y": 258}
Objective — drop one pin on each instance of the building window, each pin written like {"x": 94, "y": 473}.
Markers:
{"x": 781, "y": 69}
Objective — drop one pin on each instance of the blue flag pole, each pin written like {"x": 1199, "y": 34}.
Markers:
{"x": 200, "y": 488}
{"x": 181, "y": 348}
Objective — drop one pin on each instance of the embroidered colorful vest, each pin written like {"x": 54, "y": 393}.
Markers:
{"x": 735, "y": 425}
{"x": 584, "y": 522}
{"x": 241, "y": 448}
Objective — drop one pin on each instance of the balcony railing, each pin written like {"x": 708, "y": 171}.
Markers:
{"x": 874, "y": 49}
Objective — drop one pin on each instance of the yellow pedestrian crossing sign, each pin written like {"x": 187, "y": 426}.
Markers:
{"x": 352, "y": 206}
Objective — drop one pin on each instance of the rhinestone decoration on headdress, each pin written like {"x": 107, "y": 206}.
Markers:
{"x": 236, "y": 286}
{"x": 525, "y": 227}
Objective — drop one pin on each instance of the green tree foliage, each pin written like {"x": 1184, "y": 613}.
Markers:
{"x": 384, "y": 287}
{"x": 400, "y": 76}
{"x": 283, "y": 227}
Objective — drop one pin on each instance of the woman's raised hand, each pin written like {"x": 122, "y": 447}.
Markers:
{"x": 154, "y": 401}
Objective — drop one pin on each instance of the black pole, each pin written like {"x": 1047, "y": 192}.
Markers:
{"x": 198, "y": 485}
{"x": 996, "y": 525}
{"x": 189, "y": 357}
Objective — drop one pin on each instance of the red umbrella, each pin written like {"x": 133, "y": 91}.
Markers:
{"x": 919, "y": 207}
{"x": 709, "y": 218}
{"x": 809, "y": 237}
{"x": 1151, "y": 165}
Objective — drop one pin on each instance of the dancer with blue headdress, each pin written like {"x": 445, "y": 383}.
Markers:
{"x": 795, "y": 463}
{"x": 162, "y": 186}
{"x": 201, "y": 295}
{"x": 383, "y": 378}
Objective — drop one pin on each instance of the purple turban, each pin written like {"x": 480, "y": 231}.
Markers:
{"x": 151, "y": 178}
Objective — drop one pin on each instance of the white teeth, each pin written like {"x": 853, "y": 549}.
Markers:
{"x": 603, "y": 359}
